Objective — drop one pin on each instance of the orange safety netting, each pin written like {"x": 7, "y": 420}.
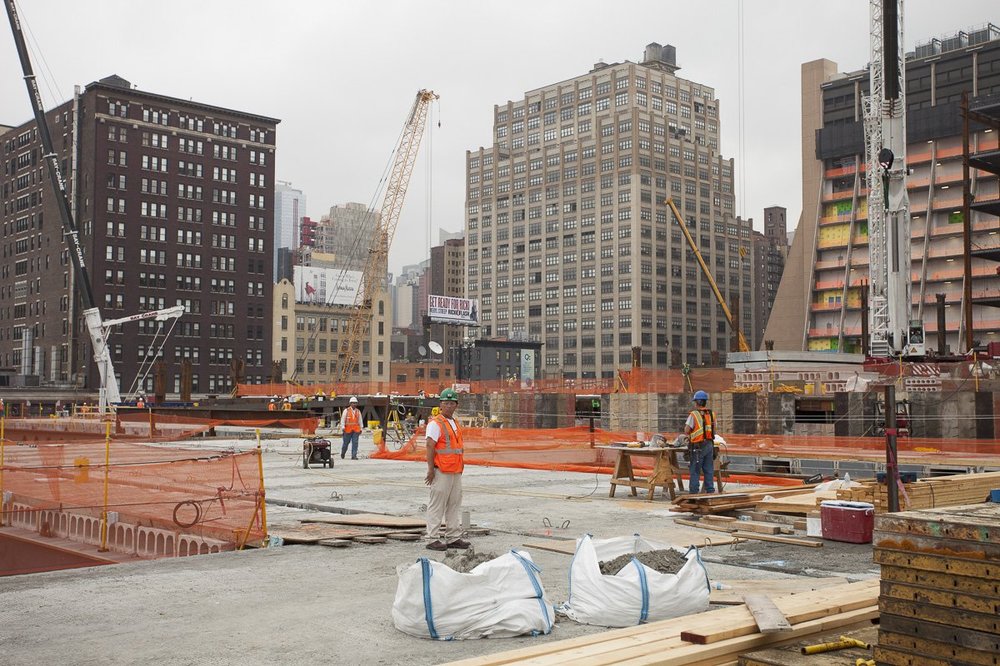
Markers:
{"x": 578, "y": 449}
{"x": 160, "y": 502}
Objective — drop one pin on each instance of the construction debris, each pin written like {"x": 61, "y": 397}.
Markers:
{"x": 664, "y": 561}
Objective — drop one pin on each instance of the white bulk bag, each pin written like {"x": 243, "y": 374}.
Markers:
{"x": 637, "y": 593}
{"x": 499, "y": 598}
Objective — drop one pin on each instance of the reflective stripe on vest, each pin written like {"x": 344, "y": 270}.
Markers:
{"x": 448, "y": 449}
{"x": 352, "y": 419}
{"x": 705, "y": 425}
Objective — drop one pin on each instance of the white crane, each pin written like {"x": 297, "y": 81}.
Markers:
{"x": 893, "y": 331}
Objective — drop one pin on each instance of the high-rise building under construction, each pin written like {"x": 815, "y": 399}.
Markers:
{"x": 569, "y": 238}
{"x": 819, "y": 301}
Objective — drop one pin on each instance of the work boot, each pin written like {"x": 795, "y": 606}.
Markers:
{"x": 437, "y": 545}
{"x": 459, "y": 543}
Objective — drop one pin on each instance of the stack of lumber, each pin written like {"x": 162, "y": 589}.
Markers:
{"x": 940, "y": 597}
{"x": 709, "y": 504}
{"x": 801, "y": 504}
{"x": 714, "y": 637}
{"x": 928, "y": 493}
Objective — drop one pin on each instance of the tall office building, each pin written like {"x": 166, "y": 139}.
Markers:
{"x": 173, "y": 201}
{"x": 818, "y": 306}
{"x": 289, "y": 211}
{"x": 346, "y": 233}
{"x": 769, "y": 251}
{"x": 569, "y": 241}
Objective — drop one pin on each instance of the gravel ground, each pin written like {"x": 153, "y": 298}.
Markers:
{"x": 312, "y": 604}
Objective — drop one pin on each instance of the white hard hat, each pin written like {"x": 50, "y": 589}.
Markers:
{"x": 353, "y": 400}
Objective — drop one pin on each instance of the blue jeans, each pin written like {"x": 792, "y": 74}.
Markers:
{"x": 352, "y": 439}
{"x": 702, "y": 462}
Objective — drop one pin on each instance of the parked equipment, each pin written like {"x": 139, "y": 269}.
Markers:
{"x": 317, "y": 450}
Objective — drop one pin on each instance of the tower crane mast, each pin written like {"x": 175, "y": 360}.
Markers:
{"x": 376, "y": 268}
{"x": 893, "y": 331}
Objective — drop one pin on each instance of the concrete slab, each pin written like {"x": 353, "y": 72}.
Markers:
{"x": 312, "y": 604}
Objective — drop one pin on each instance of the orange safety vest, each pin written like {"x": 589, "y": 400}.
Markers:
{"x": 352, "y": 419}
{"x": 448, "y": 450}
{"x": 271, "y": 407}
{"x": 704, "y": 421}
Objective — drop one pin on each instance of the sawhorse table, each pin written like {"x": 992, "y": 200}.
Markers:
{"x": 666, "y": 472}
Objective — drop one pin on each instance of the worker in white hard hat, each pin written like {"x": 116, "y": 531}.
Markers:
{"x": 350, "y": 419}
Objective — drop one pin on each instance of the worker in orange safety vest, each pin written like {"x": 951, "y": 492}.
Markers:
{"x": 700, "y": 428}
{"x": 350, "y": 421}
{"x": 445, "y": 464}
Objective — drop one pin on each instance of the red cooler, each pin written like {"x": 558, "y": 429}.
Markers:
{"x": 852, "y": 522}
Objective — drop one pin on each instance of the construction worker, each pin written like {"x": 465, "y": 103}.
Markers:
{"x": 272, "y": 406}
{"x": 140, "y": 402}
{"x": 445, "y": 464}
{"x": 350, "y": 419}
{"x": 700, "y": 428}
{"x": 286, "y": 405}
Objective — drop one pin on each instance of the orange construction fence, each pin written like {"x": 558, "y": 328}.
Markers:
{"x": 132, "y": 499}
{"x": 577, "y": 449}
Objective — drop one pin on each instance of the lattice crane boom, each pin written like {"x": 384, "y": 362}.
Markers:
{"x": 376, "y": 268}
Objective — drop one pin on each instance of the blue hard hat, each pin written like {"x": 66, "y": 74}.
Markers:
{"x": 701, "y": 395}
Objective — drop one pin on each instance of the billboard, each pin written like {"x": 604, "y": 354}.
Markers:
{"x": 527, "y": 367}
{"x": 327, "y": 286}
{"x": 453, "y": 310}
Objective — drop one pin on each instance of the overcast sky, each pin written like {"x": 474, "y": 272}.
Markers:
{"x": 341, "y": 75}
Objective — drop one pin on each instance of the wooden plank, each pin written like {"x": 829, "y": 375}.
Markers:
{"x": 720, "y": 519}
{"x": 703, "y": 525}
{"x": 335, "y": 543}
{"x": 760, "y": 528}
{"x": 368, "y": 519}
{"x": 838, "y": 600}
{"x": 768, "y": 617}
{"x": 663, "y": 634}
{"x": 733, "y": 589}
{"x": 402, "y": 536}
{"x": 946, "y": 616}
{"x": 735, "y": 646}
{"x": 370, "y": 539}
{"x": 792, "y": 541}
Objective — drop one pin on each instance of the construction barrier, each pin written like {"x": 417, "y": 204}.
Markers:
{"x": 577, "y": 449}
{"x": 144, "y": 501}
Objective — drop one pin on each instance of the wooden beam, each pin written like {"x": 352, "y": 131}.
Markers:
{"x": 792, "y": 541}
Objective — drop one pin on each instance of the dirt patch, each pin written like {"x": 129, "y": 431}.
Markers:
{"x": 664, "y": 561}
{"x": 465, "y": 561}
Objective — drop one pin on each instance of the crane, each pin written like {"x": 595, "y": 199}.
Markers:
{"x": 392, "y": 205}
{"x": 893, "y": 331}
{"x": 733, "y": 324}
{"x": 96, "y": 327}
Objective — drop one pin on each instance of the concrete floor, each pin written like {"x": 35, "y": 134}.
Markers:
{"x": 313, "y": 604}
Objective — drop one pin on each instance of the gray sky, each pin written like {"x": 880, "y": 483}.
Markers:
{"x": 341, "y": 75}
